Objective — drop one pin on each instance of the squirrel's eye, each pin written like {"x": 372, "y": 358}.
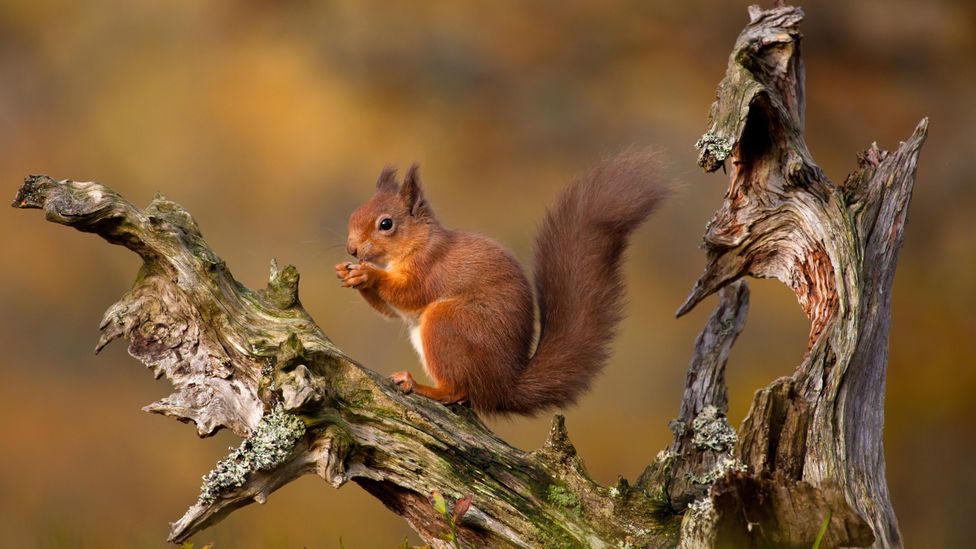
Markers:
{"x": 386, "y": 224}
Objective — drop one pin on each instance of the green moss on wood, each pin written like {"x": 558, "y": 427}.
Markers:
{"x": 562, "y": 497}
{"x": 558, "y": 538}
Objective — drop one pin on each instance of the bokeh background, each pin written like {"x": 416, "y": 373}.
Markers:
{"x": 270, "y": 120}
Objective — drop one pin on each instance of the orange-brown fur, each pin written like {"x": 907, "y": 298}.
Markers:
{"x": 471, "y": 303}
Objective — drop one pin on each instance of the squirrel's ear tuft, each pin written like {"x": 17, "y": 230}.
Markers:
{"x": 413, "y": 194}
{"x": 387, "y": 180}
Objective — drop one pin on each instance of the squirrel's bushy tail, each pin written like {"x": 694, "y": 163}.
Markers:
{"x": 578, "y": 252}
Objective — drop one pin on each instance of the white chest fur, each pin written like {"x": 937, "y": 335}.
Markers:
{"x": 418, "y": 345}
{"x": 413, "y": 325}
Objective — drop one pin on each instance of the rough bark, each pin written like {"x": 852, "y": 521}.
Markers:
{"x": 836, "y": 247}
{"x": 254, "y": 362}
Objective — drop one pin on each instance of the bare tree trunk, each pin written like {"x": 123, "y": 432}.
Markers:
{"x": 810, "y": 449}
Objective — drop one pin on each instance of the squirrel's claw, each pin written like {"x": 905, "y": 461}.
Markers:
{"x": 342, "y": 270}
{"x": 403, "y": 381}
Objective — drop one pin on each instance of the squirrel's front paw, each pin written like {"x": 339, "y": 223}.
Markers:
{"x": 404, "y": 382}
{"x": 342, "y": 270}
{"x": 353, "y": 275}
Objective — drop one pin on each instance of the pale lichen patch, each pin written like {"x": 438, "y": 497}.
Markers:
{"x": 717, "y": 147}
{"x": 724, "y": 465}
{"x": 712, "y": 431}
{"x": 701, "y": 509}
{"x": 269, "y": 446}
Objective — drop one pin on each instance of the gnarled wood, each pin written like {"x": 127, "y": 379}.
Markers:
{"x": 255, "y": 362}
{"x": 835, "y": 246}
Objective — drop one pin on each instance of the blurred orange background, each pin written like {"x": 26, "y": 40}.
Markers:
{"x": 269, "y": 121}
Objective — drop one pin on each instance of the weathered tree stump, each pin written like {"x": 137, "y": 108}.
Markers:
{"x": 810, "y": 449}
{"x": 836, "y": 247}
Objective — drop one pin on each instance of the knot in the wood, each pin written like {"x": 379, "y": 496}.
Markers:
{"x": 293, "y": 378}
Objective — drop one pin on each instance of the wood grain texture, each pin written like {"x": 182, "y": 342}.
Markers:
{"x": 836, "y": 247}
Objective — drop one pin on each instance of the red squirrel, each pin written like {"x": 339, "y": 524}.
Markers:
{"x": 469, "y": 305}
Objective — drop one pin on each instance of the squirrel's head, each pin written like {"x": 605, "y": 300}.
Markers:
{"x": 393, "y": 223}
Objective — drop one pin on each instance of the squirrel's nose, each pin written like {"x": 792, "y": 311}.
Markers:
{"x": 351, "y": 248}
